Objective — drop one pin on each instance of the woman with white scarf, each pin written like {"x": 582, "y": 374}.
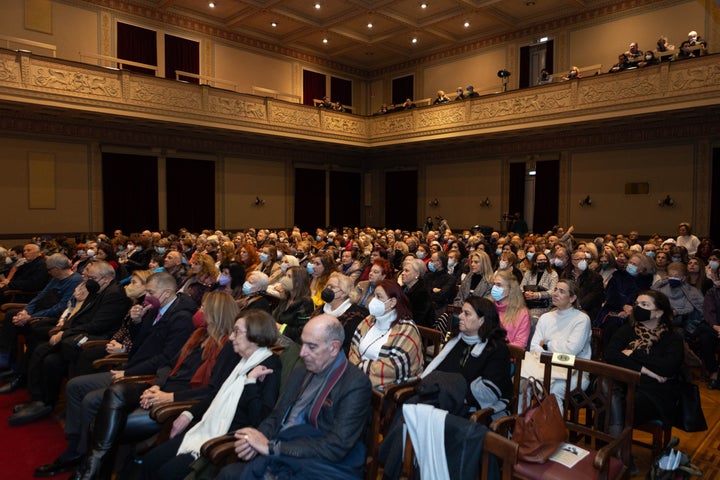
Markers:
{"x": 340, "y": 297}
{"x": 245, "y": 399}
{"x": 480, "y": 354}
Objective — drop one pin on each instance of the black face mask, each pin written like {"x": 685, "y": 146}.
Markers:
{"x": 641, "y": 314}
{"x": 327, "y": 295}
{"x": 541, "y": 266}
{"x": 92, "y": 286}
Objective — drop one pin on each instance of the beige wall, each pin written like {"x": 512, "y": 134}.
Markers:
{"x": 459, "y": 188}
{"x": 603, "y": 174}
{"x": 249, "y": 69}
{"x": 479, "y": 71}
{"x": 72, "y": 196}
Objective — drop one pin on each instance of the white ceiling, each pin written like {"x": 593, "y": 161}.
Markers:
{"x": 344, "y": 23}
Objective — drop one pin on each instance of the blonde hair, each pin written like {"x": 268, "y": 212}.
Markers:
{"x": 515, "y": 298}
{"x": 219, "y": 310}
{"x": 485, "y": 264}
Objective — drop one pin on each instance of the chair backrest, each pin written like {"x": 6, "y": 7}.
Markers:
{"x": 517, "y": 355}
{"x": 587, "y": 412}
{"x": 432, "y": 340}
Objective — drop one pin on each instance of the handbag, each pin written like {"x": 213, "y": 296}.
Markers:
{"x": 540, "y": 429}
{"x": 688, "y": 414}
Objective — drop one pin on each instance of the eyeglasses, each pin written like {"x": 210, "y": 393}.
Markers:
{"x": 239, "y": 331}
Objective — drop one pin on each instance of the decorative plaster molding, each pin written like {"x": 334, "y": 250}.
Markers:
{"x": 236, "y": 107}
{"x": 9, "y": 71}
{"x": 343, "y": 124}
{"x": 74, "y": 82}
{"x": 439, "y": 117}
{"x": 165, "y": 95}
{"x": 294, "y": 116}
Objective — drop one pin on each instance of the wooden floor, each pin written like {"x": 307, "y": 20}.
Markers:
{"x": 702, "y": 447}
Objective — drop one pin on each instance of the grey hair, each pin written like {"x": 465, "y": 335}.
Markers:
{"x": 260, "y": 280}
{"x": 57, "y": 260}
{"x": 417, "y": 265}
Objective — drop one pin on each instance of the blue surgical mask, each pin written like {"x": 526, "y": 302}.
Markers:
{"x": 138, "y": 248}
{"x": 498, "y": 251}
{"x": 432, "y": 267}
{"x": 529, "y": 255}
{"x": 161, "y": 250}
{"x": 247, "y": 287}
{"x": 676, "y": 259}
{"x": 497, "y": 293}
{"x": 650, "y": 254}
{"x": 264, "y": 257}
{"x": 224, "y": 279}
{"x": 631, "y": 269}
{"x": 310, "y": 268}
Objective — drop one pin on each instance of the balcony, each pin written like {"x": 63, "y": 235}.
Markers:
{"x": 27, "y": 79}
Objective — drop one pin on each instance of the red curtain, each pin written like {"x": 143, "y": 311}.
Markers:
{"x": 138, "y": 45}
{"x": 181, "y": 54}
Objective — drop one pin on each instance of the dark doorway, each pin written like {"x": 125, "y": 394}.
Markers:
{"x": 190, "y": 194}
{"x": 137, "y": 44}
{"x": 309, "y": 198}
{"x": 401, "y": 189}
{"x": 715, "y": 198}
{"x": 547, "y": 186}
{"x": 313, "y": 86}
{"x": 130, "y": 192}
{"x": 341, "y": 91}
{"x": 533, "y": 59}
{"x": 181, "y": 54}
{"x": 344, "y": 199}
{"x": 517, "y": 188}
{"x": 403, "y": 88}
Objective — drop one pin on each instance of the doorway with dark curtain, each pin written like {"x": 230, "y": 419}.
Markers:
{"x": 403, "y": 88}
{"x": 533, "y": 58}
{"x": 547, "y": 203}
{"x": 715, "y": 199}
{"x": 341, "y": 91}
{"x": 345, "y": 198}
{"x": 401, "y": 193}
{"x": 181, "y": 54}
{"x": 309, "y": 198}
{"x": 137, "y": 44}
{"x": 313, "y": 86}
{"x": 130, "y": 192}
{"x": 517, "y": 189}
{"x": 190, "y": 186}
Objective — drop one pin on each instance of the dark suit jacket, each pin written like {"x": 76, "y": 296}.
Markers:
{"x": 100, "y": 315}
{"x": 155, "y": 345}
{"x": 30, "y": 277}
{"x": 421, "y": 304}
{"x": 342, "y": 418}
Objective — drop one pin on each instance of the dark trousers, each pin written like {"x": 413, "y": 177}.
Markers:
{"x": 35, "y": 334}
{"x": 163, "y": 462}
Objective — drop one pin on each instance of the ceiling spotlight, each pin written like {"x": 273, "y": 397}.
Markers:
{"x": 211, "y": 4}
{"x": 317, "y": 6}
{"x": 423, "y": 5}
{"x": 414, "y": 40}
{"x": 370, "y": 25}
{"x": 466, "y": 24}
{"x": 325, "y": 40}
{"x": 529, "y": 4}
{"x": 273, "y": 24}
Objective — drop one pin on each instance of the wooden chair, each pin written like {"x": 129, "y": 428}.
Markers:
{"x": 610, "y": 456}
{"x": 432, "y": 341}
{"x": 661, "y": 435}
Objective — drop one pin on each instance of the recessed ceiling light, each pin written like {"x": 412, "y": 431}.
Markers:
{"x": 273, "y": 24}
{"x": 414, "y": 40}
{"x": 530, "y": 4}
{"x": 370, "y": 25}
{"x": 325, "y": 40}
{"x": 211, "y": 4}
{"x": 423, "y": 5}
{"x": 317, "y": 6}
{"x": 466, "y": 24}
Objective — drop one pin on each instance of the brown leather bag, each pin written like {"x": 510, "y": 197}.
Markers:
{"x": 540, "y": 429}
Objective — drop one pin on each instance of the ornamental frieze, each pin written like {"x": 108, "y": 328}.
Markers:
{"x": 236, "y": 107}
{"x": 9, "y": 71}
{"x": 344, "y": 124}
{"x": 295, "y": 116}
{"x": 440, "y": 117}
{"x": 520, "y": 105}
{"x": 392, "y": 123}
{"x": 75, "y": 82}
{"x": 169, "y": 95}
{"x": 691, "y": 78}
{"x": 622, "y": 86}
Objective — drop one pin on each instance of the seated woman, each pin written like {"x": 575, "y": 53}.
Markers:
{"x": 341, "y": 302}
{"x": 507, "y": 262}
{"x": 379, "y": 271}
{"x": 608, "y": 267}
{"x": 417, "y": 292}
{"x": 199, "y": 368}
{"x": 510, "y": 304}
{"x": 649, "y": 345}
{"x": 244, "y": 399}
{"x": 269, "y": 263}
{"x": 537, "y": 285}
{"x": 712, "y": 269}
{"x": 696, "y": 275}
{"x": 350, "y": 265}
{"x": 231, "y": 279}
{"x": 294, "y": 311}
{"x": 202, "y": 277}
{"x": 478, "y": 282}
{"x": 254, "y": 293}
{"x": 319, "y": 268}
{"x": 480, "y": 353}
{"x": 387, "y": 345}
{"x": 564, "y": 330}
{"x": 249, "y": 257}
{"x": 662, "y": 260}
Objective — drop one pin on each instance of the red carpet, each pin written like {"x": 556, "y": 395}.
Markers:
{"x": 22, "y": 449}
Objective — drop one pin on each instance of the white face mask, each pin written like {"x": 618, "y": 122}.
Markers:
{"x": 376, "y": 307}
{"x": 503, "y": 264}
{"x": 582, "y": 265}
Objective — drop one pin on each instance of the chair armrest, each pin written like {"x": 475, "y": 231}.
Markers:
{"x": 136, "y": 379}
{"x": 169, "y": 411}
{"x": 482, "y": 416}
{"x": 14, "y": 305}
{"x": 602, "y": 458}
{"x": 110, "y": 361}
{"x": 93, "y": 343}
{"x": 219, "y": 450}
{"x": 503, "y": 425}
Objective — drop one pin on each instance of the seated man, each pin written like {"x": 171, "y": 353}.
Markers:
{"x": 622, "y": 64}
{"x": 634, "y": 54}
{"x": 48, "y": 304}
{"x": 173, "y": 264}
{"x": 30, "y": 277}
{"x": 693, "y": 46}
{"x": 686, "y": 300}
{"x": 97, "y": 318}
{"x": 316, "y": 428}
